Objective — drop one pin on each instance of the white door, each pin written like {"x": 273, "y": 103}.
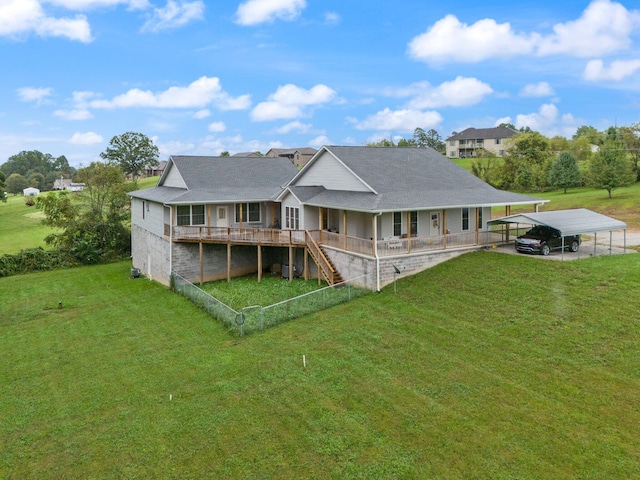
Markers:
{"x": 222, "y": 218}
{"x": 434, "y": 224}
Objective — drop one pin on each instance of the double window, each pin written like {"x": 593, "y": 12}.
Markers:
{"x": 292, "y": 218}
{"x": 190, "y": 214}
{"x": 247, "y": 212}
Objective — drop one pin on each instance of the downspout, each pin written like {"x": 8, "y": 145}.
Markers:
{"x": 375, "y": 249}
{"x": 170, "y": 242}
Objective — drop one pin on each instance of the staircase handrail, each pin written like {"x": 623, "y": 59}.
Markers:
{"x": 323, "y": 263}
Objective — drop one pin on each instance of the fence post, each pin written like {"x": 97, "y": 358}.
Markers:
{"x": 261, "y": 318}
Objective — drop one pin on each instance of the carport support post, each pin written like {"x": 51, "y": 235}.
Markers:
{"x": 595, "y": 241}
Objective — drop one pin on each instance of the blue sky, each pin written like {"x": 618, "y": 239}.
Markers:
{"x": 200, "y": 77}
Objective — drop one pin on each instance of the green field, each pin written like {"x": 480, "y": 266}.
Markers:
{"x": 20, "y": 226}
{"x": 487, "y": 366}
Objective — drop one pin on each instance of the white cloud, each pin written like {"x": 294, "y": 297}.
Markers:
{"x": 217, "y": 127}
{"x": 332, "y": 18}
{"x": 400, "y": 120}
{"x": 89, "y": 138}
{"x": 174, "y": 15}
{"x": 548, "y": 121}
{"x": 254, "y": 12}
{"x": 617, "y": 70}
{"x": 460, "y": 92}
{"x": 289, "y": 101}
{"x": 21, "y": 17}
{"x": 31, "y": 94}
{"x": 319, "y": 141}
{"x": 450, "y": 40}
{"x": 540, "y": 89}
{"x": 76, "y": 114}
{"x": 502, "y": 120}
{"x": 295, "y": 126}
{"x": 91, "y": 4}
{"x": 604, "y": 27}
{"x": 198, "y": 94}
{"x": 200, "y": 114}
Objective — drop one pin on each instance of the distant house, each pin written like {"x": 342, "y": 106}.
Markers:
{"x": 248, "y": 154}
{"x": 30, "y": 192}
{"x": 350, "y": 212}
{"x": 466, "y": 143}
{"x": 62, "y": 184}
{"x": 298, "y": 156}
{"x": 155, "y": 171}
{"x": 67, "y": 184}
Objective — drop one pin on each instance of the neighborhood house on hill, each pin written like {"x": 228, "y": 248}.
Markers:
{"x": 351, "y": 212}
{"x": 67, "y": 184}
{"x": 30, "y": 192}
{"x": 465, "y": 144}
{"x": 299, "y": 156}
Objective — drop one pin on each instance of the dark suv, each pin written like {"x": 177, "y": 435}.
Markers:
{"x": 542, "y": 239}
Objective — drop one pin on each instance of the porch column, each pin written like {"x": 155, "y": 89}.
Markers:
{"x": 320, "y": 218}
{"x": 201, "y": 266}
{"x": 306, "y": 264}
{"x": 228, "y": 262}
{"x": 344, "y": 227}
{"x": 241, "y": 215}
{"x": 259, "y": 262}
{"x": 444, "y": 228}
{"x": 374, "y": 232}
{"x": 290, "y": 262}
{"x": 408, "y": 232}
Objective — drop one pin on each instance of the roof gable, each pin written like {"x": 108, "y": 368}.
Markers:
{"x": 329, "y": 171}
{"x": 483, "y": 133}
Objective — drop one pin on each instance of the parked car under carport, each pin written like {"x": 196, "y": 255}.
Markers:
{"x": 542, "y": 240}
{"x": 568, "y": 223}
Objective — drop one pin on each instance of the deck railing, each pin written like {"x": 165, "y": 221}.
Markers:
{"x": 385, "y": 247}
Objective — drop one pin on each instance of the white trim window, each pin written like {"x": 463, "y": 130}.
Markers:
{"x": 248, "y": 212}
{"x": 465, "y": 219}
{"x": 190, "y": 214}
{"x": 479, "y": 218}
{"x": 292, "y": 218}
{"x": 397, "y": 224}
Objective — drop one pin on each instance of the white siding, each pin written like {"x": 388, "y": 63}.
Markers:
{"x": 173, "y": 178}
{"x": 152, "y": 218}
{"x": 291, "y": 201}
{"x": 332, "y": 175}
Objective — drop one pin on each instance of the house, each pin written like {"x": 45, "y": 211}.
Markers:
{"x": 30, "y": 192}
{"x": 299, "y": 156}
{"x": 351, "y": 212}
{"x": 465, "y": 144}
{"x": 155, "y": 171}
{"x": 67, "y": 184}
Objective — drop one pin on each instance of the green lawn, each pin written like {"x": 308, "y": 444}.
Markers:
{"x": 20, "y": 226}
{"x": 470, "y": 371}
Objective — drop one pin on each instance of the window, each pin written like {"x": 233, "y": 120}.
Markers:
{"x": 190, "y": 214}
{"x": 465, "y": 219}
{"x": 413, "y": 222}
{"x": 247, "y": 212}
{"x": 292, "y": 218}
{"x": 325, "y": 219}
{"x": 500, "y": 153}
{"x": 452, "y": 153}
{"x": 463, "y": 142}
{"x": 498, "y": 141}
{"x": 397, "y": 224}
{"x": 480, "y": 218}
{"x": 452, "y": 143}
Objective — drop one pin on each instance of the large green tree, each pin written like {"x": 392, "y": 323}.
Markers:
{"x": 590, "y": 133}
{"x": 28, "y": 163}
{"x": 430, "y": 138}
{"x": 16, "y": 183}
{"x": 132, "y": 152}
{"x": 610, "y": 168}
{"x": 94, "y": 223}
{"x": 3, "y": 186}
{"x": 564, "y": 172}
{"x": 526, "y": 162}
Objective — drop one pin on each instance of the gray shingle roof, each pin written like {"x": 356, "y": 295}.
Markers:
{"x": 224, "y": 179}
{"x": 411, "y": 178}
{"x": 483, "y": 133}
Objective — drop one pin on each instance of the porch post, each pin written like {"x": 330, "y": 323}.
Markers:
{"x": 290, "y": 262}
{"x": 320, "y": 218}
{"x": 228, "y": 262}
{"x": 241, "y": 215}
{"x": 374, "y": 232}
{"x": 344, "y": 227}
{"x": 444, "y": 227}
{"x": 259, "y": 262}
{"x": 306, "y": 264}
{"x": 201, "y": 266}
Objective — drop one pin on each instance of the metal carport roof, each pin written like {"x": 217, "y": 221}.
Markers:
{"x": 568, "y": 222}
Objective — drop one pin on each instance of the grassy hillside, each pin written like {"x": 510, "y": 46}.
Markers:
{"x": 20, "y": 226}
{"x": 470, "y": 371}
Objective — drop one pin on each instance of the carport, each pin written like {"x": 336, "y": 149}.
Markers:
{"x": 577, "y": 221}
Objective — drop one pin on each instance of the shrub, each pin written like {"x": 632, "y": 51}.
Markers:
{"x": 34, "y": 260}
{"x": 29, "y": 202}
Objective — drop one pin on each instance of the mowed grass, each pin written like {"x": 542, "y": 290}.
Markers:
{"x": 21, "y": 226}
{"x": 486, "y": 366}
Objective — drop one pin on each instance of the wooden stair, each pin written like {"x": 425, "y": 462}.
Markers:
{"x": 325, "y": 267}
